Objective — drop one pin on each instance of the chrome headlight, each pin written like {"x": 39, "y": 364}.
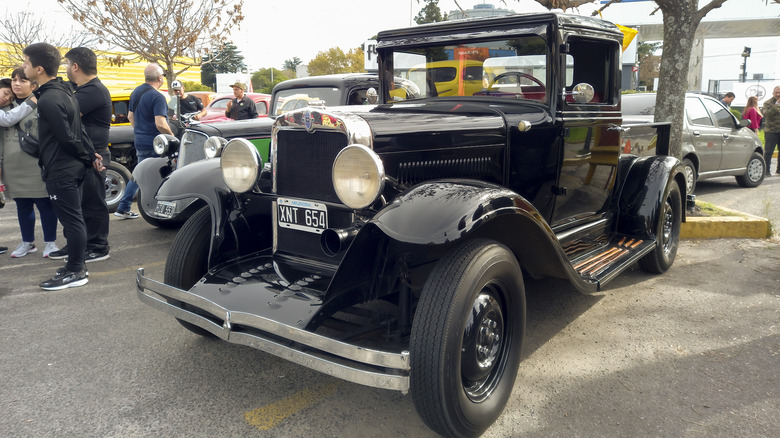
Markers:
{"x": 213, "y": 146}
{"x": 240, "y": 164}
{"x": 164, "y": 144}
{"x": 358, "y": 176}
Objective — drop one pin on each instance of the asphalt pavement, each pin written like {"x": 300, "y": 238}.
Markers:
{"x": 690, "y": 353}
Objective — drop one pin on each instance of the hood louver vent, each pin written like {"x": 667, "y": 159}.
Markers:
{"x": 418, "y": 171}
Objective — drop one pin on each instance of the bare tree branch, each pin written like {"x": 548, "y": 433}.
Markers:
{"x": 169, "y": 32}
{"x": 21, "y": 29}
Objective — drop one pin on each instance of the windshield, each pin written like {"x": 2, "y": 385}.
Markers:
{"x": 512, "y": 68}
{"x": 296, "y": 98}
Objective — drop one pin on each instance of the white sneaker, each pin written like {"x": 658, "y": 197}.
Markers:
{"x": 50, "y": 248}
{"x": 23, "y": 249}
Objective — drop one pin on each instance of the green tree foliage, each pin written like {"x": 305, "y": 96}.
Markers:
{"x": 430, "y": 13}
{"x": 291, "y": 66}
{"x": 264, "y": 80}
{"x": 195, "y": 86}
{"x": 226, "y": 59}
{"x": 336, "y": 61}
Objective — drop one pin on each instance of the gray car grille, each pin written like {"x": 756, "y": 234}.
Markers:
{"x": 191, "y": 149}
{"x": 304, "y": 162}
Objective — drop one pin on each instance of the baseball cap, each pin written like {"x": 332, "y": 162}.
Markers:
{"x": 176, "y": 85}
{"x": 240, "y": 85}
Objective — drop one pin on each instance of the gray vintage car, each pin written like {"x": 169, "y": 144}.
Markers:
{"x": 715, "y": 143}
{"x": 156, "y": 176}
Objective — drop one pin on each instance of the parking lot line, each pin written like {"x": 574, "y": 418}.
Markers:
{"x": 267, "y": 417}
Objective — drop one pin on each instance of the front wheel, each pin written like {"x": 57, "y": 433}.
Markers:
{"x": 117, "y": 177}
{"x": 188, "y": 258}
{"x": 667, "y": 233}
{"x": 755, "y": 172}
{"x": 159, "y": 223}
{"x": 690, "y": 175}
{"x": 466, "y": 338}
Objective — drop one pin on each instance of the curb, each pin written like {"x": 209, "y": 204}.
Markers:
{"x": 742, "y": 225}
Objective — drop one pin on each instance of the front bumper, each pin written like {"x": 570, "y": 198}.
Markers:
{"x": 350, "y": 362}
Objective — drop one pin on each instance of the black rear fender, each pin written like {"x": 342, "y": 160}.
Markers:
{"x": 643, "y": 191}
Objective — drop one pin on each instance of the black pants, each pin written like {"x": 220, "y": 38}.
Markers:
{"x": 94, "y": 208}
{"x": 66, "y": 198}
{"x": 771, "y": 140}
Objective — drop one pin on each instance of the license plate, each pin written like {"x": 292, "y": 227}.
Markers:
{"x": 164, "y": 209}
{"x": 296, "y": 214}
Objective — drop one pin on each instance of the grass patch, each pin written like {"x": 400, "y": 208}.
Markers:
{"x": 705, "y": 209}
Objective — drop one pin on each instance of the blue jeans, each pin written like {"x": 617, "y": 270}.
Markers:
{"x": 132, "y": 186}
{"x": 26, "y": 214}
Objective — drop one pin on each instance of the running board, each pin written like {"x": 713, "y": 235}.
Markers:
{"x": 611, "y": 259}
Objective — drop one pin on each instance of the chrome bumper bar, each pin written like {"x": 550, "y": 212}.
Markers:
{"x": 375, "y": 368}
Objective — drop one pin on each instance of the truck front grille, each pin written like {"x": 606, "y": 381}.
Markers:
{"x": 304, "y": 161}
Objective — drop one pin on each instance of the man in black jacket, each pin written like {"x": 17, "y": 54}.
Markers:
{"x": 95, "y": 107}
{"x": 64, "y": 157}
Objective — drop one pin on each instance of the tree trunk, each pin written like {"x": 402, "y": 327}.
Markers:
{"x": 681, "y": 18}
{"x": 680, "y": 22}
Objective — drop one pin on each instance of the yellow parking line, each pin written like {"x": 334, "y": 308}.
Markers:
{"x": 269, "y": 416}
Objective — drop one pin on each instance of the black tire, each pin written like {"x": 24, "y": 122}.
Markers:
{"x": 117, "y": 177}
{"x": 474, "y": 294}
{"x": 690, "y": 175}
{"x": 159, "y": 223}
{"x": 188, "y": 258}
{"x": 755, "y": 172}
{"x": 667, "y": 233}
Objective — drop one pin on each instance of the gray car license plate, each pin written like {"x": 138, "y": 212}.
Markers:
{"x": 164, "y": 209}
{"x": 297, "y": 214}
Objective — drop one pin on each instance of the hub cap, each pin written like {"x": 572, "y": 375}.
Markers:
{"x": 484, "y": 345}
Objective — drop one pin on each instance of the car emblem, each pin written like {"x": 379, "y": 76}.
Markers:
{"x": 308, "y": 120}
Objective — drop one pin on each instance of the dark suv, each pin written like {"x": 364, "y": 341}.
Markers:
{"x": 387, "y": 245}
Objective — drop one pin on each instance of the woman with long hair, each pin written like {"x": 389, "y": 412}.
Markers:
{"x": 752, "y": 113}
{"x": 22, "y": 176}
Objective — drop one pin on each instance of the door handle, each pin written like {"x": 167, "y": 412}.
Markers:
{"x": 697, "y": 133}
{"x": 726, "y": 136}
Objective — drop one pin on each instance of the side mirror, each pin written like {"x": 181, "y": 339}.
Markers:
{"x": 744, "y": 123}
{"x": 581, "y": 93}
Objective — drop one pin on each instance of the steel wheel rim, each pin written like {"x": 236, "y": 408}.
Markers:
{"x": 755, "y": 170}
{"x": 689, "y": 176}
{"x": 485, "y": 342}
{"x": 668, "y": 226}
{"x": 115, "y": 186}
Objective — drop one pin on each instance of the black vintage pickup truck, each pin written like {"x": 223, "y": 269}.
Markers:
{"x": 387, "y": 244}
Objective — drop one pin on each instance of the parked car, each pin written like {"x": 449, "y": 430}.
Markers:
{"x": 216, "y": 109}
{"x": 168, "y": 177}
{"x": 387, "y": 244}
{"x": 715, "y": 143}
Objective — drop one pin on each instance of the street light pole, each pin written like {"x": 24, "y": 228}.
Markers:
{"x": 745, "y": 56}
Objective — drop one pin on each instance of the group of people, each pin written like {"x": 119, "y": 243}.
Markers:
{"x": 52, "y": 152}
{"x": 767, "y": 118}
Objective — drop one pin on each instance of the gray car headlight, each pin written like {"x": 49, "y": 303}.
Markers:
{"x": 165, "y": 143}
{"x": 213, "y": 146}
{"x": 240, "y": 164}
{"x": 358, "y": 176}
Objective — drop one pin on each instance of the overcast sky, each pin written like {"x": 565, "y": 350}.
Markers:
{"x": 274, "y": 31}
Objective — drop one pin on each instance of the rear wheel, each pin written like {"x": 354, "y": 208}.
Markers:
{"x": 117, "y": 177}
{"x": 755, "y": 172}
{"x": 667, "y": 233}
{"x": 188, "y": 258}
{"x": 466, "y": 339}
